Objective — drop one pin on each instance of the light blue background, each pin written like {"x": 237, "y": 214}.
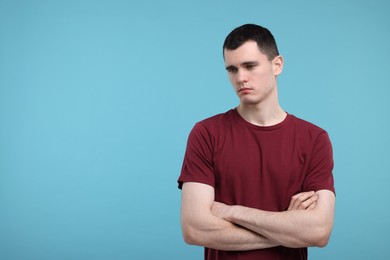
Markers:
{"x": 97, "y": 99}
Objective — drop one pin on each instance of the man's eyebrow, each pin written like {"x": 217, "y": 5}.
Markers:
{"x": 250, "y": 63}
{"x": 229, "y": 67}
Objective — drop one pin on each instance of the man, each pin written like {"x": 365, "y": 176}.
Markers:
{"x": 256, "y": 181}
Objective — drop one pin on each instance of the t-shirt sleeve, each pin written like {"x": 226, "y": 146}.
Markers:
{"x": 319, "y": 175}
{"x": 198, "y": 158}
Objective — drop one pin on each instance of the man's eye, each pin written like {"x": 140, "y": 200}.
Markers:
{"x": 249, "y": 67}
{"x": 232, "y": 70}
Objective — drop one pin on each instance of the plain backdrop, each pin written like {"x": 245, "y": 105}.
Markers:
{"x": 97, "y": 99}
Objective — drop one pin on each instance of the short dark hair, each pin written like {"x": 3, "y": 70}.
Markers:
{"x": 252, "y": 32}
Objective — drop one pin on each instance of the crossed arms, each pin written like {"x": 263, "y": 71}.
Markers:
{"x": 307, "y": 222}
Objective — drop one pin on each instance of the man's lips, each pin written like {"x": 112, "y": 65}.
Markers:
{"x": 244, "y": 90}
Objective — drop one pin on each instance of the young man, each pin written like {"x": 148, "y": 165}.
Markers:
{"x": 256, "y": 181}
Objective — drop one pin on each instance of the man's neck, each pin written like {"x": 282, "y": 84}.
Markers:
{"x": 262, "y": 116}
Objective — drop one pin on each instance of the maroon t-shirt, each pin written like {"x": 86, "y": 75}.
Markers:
{"x": 258, "y": 167}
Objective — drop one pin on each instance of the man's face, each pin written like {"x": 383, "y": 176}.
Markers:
{"x": 252, "y": 75}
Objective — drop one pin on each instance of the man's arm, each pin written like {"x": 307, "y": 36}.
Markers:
{"x": 292, "y": 228}
{"x": 201, "y": 227}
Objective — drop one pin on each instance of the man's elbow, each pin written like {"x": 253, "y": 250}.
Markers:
{"x": 190, "y": 235}
{"x": 321, "y": 237}
{"x": 316, "y": 238}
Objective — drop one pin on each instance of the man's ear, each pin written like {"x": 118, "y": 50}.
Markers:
{"x": 277, "y": 64}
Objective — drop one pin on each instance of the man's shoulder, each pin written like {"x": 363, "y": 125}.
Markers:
{"x": 218, "y": 119}
{"x": 302, "y": 123}
{"x": 214, "y": 125}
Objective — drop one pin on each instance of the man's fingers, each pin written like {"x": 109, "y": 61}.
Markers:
{"x": 302, "y": 200}
{"x": 312, "y": 205}
{"x": 297, "y": 199}
{"x": 309, "y": 202}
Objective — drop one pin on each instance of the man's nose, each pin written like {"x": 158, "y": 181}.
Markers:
{"x": 242, "y": 76}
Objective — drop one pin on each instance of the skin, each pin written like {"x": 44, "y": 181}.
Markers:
{"x": 293, "y": 228}
{"x": 204, "y": 220}
{"x": 308, "y": 221}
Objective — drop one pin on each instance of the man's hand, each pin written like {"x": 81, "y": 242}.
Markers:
{"x": 304, "y": 200}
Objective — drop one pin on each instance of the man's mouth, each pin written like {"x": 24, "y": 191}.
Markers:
{"x": 244, "y": 90}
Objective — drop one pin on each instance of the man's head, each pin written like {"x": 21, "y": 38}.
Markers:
{"x": 253, "y": 64}
{"x": 252, "y": 32}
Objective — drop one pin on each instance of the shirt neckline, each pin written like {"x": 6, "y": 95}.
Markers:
{"x": 261, "y": 128}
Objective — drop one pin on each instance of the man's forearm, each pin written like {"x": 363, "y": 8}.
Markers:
{"x": 288, "y": 228}
{"x": 295, "y": 228}
{"x": 201, "y": 227}
{"x": 223, "y": 235}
